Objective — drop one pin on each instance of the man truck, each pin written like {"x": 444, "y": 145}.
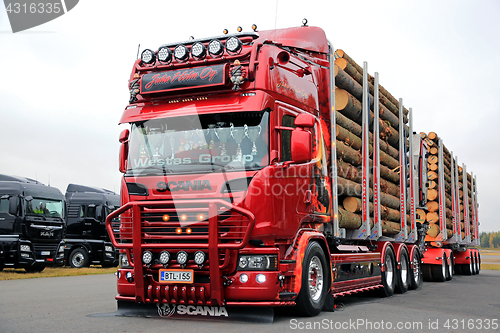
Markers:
{"x": 31, "y": 224}
{"x": 87, "y": 241}
{"x": 261, "y": 170}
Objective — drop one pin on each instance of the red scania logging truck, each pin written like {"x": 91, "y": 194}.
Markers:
{"x": 236, "y": 169}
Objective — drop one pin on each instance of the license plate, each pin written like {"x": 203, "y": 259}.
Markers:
{"x": 176, "y": 275}
{"x": 45, "y": 253}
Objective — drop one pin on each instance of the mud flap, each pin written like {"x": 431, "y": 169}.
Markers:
{"x": 329, "y": 305}
{"x": 196, "y": 312}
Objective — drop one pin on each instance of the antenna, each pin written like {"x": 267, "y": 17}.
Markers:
{"x": 49, "y": 179}
{"x": 138, "y": 48}
{"x": 276, "y": 15}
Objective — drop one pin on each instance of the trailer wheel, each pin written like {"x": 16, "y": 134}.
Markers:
{"x": 467, "y": 269}
{"x": 403, "y": 274}
{"x": 439, "y": 271}
{"x": 79, "y": 258}
{"x": 34, "y": 269}
{"x": 449, "y": 267}
{"x": 416, "y": 272}
{"x": 388, "y": 275}
{"x": 315, "y": 277}
{"x": 478, "y": 262}
{"x": 473, "y": 261}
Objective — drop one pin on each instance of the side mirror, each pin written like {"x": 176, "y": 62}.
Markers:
{"x": 124, "y": 150}
{"x": 301, "y": 142}
{"x": 13, "y": 205}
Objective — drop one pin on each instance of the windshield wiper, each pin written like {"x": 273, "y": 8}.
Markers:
{"x": 155, "y": 167}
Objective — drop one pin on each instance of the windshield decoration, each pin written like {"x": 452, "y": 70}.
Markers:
{"x": 199, "y": 143}
{"x": 183, "y": 79}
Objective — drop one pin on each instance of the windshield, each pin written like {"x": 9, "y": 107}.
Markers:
{"x": 199, "y": 143}
{"x": 45, "y": 207}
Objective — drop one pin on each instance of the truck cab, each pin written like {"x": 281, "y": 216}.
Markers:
{"x": 87, "y": 241}
{"x": 31, "y": 224}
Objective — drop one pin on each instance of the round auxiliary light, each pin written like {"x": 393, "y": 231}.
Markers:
{"x": 184, "y": 217}
{"x": 164, "y": 54}
{"x": 199, "y": 257}
{"x": 178, "y": 231}
{"x": 243, "y": 278}
{"x": 233, "y": 45}
{"x": 254, "y": 27}
{"x": 148, "y": 56}
{"x": 260, "y": 278}
{"x": 181, "y": 53}
{"x": 198, "y": 50}
{"x": 239, "y": 29}
{"x": 166, "y": 217}
{"x": 215, "y": 48}
{"x": 188, "y": 231}
{"x": 164, "y": 257}
{"x": 147, "y": 257}
{"x": 182, "y": 257}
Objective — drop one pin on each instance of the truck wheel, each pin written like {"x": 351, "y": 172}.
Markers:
{"x": 315, "y": 280}
{"x": 416, "y": 272}
{"x": 473, "y": 260}
{"x": 449, "y": 267}
{"x": 478, "y": 262}
{"x": 388, "y": 275}
{"x": 403, "y": 274}
{"x": 34, "y": 269}
{"x": 79, "y": 258}
{"x": 439, "y": 271}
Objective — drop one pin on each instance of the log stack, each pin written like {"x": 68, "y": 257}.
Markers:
{"x": 348, "y": 101}
{"x": 432, "y": 216}
{"x": 462, "y": 200}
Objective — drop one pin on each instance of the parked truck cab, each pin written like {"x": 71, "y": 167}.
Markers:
{"x": 87, "y": 241}
{"x": 31, "y": 224}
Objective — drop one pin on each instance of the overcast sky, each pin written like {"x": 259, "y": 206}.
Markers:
{"x": 63, "y": 84}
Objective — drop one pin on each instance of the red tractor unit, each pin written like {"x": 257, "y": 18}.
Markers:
{"x": 261, "y": 170}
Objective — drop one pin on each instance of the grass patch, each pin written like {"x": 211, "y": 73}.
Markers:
{"x": 491, "y": 267}
{"x": 14, "y": 274}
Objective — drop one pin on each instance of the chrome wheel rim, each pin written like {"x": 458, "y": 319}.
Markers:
{"x": 77, "y": 259}
{"x": 389, "y": 271}
{"x": 404, "y": 270}
{"x": 416, "y": 269}
{"x": 315, "y": 278}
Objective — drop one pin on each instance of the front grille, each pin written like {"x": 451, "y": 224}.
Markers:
{"x": 182, "y": 222}
{"x": 41, "y": 250}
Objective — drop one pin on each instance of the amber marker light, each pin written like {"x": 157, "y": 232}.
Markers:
{"x": 166, "y": 217}
{"x": 184, "y": 217}
{"x": 188, "y": 231}
{"x": 178, "y": 231}
{"x": 200, "y": 217}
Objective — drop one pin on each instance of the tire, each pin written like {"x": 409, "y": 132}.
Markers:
{"x": 315, "y": 282}
{"x": 79, "y": 258}
{"x": 478, "y": 261}
{"x": 458, "y": 269}
{"x": 473, "y": 259}
{"x": 427, "y": 272}
{"x": 467, "y": 269}
{"x": 34, "y": 269}
{"x": 416, "y": 272}
{"x": 389, "y": 274}
{"x": 403, "y": 274}
{"x": 449, "y": 269}
{"x": 439, "y": 271}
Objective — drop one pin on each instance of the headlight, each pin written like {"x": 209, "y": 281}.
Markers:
{"x": 147, "y": 257}
{"x": 164, "y": 54}
{"x": 215, "y": 48}
{"x": 199, "y": 258}
{"x": 148, "y": 56}
{"x": 182, "y": 257}
{"x": 164, "y": 257}
{"x": 108, "y": 248}
{"x": 61, "y": 248}
{"x": 25, "y": 248}
{"x": 181, "y": 53}
{"x": 263, "y": 262}
{"x": 233, "y": 45}
{"x": 123, "y": 261}
{"x": 198, "y": 51}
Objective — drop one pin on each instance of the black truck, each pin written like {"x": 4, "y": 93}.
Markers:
{"x": 31, "y": 224}
{"x": 87, "y": 241}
